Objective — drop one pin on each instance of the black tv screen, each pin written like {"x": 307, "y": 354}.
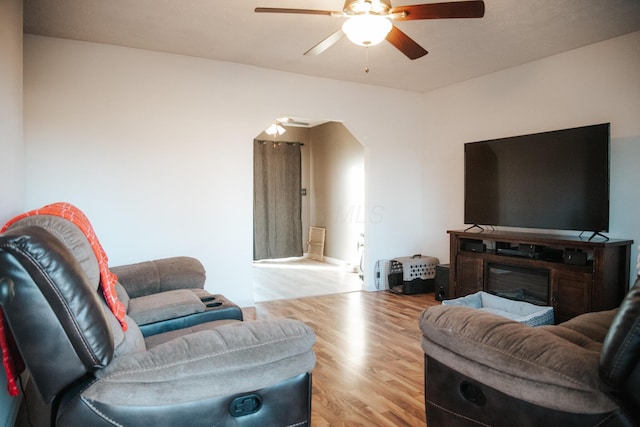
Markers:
{"x": 551, "y": 180}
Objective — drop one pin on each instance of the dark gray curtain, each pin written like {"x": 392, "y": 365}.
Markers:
{"x": 277, "y": 225}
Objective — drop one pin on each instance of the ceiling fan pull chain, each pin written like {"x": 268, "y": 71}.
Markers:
{"x": 366, "y": 67}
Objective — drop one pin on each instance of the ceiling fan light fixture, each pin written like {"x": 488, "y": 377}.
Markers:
{"x": 367, "y": 29}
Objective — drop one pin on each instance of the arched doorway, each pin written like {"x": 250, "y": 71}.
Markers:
{"x": 332, "y": 196}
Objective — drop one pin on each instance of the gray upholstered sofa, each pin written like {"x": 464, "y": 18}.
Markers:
{"x": 92, "y": 372}
{"x": 484, "y": 369}
{"x": 167, "y": 294}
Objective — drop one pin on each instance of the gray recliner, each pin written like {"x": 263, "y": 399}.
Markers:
{"x": 92, "y": 372}
{"x": 167, "y": 294}
{"x": 484, "y": 369}
{"x": 160, "y": 295}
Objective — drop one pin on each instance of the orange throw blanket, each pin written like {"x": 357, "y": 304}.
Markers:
{"x": 10, "y": 357}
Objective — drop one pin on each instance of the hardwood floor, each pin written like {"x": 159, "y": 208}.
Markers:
{"x": 300, "y": 277}
{"x": 370, "y": 369}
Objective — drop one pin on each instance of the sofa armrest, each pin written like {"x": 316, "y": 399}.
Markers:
{"x": 151, "y": 277}
{"x": 233, "y": 358}
{"x": 529, "y": 363}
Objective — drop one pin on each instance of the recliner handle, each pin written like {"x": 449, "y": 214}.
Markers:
{"x": 245, "y": 405}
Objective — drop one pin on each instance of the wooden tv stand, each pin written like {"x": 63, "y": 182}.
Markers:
{"x": 575, "y": 285}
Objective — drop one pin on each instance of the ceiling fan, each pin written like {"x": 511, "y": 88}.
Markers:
{"x": 277, "y": 128}
{"x": 369, "y": 21}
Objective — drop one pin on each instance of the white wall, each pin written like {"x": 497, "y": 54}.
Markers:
{"x": 157, "y": 150}
{"x": 12, "y": 187}
{"x": 337, "y": 190}
{"x": 595, "y": 84}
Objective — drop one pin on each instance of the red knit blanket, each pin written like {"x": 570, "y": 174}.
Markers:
{"x": 11, "y": 359}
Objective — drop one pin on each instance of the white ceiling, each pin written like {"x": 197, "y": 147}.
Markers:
{"x": 512, "y": 32}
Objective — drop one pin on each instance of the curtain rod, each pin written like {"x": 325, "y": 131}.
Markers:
{"x": 264, "y": 141}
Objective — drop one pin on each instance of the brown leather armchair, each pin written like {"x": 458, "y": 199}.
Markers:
{"x": 91, "y": 372}
{"x": 483, "y": 369}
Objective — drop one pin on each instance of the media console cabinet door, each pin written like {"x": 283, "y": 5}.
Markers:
{"x": 570, "y": 293}
{"x": 469, "y": 276}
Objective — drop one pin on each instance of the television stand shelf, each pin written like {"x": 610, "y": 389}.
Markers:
{"x": 572, "y": 274}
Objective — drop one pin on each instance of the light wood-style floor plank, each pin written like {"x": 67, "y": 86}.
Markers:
{"x": 298, "y": 277}
{"x": 370, "y": 369}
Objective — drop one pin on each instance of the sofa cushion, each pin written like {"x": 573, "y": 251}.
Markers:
{"x": 231, "y": 358}
{"x": 621, "y": 348}
{"x": 72, "y": 237}
{"x": 528, "y": 363}
{"x": 151, "y": 277}
{"x": 155, "y": 340}
{"x": 587, "y": 330}
{"x": 125, "y": 342}
{"x": 123, "y": 296}
{"x": 107, "y": 279}
{"x": 165, "y": 305}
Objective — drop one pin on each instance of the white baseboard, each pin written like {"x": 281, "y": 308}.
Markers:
{"x": 347, "y": 265}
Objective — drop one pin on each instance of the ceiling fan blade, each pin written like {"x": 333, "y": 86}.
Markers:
{"x": 301, "y": 11}
{"x": 326, "y": 43}
{"x": 405, "y": 44}
{"x": 457, "y": 9}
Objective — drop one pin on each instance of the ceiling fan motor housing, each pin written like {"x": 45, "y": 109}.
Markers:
{"x": 376, "y": 7}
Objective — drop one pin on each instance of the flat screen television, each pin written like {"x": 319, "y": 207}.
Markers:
{"x": 550, "y": 180}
